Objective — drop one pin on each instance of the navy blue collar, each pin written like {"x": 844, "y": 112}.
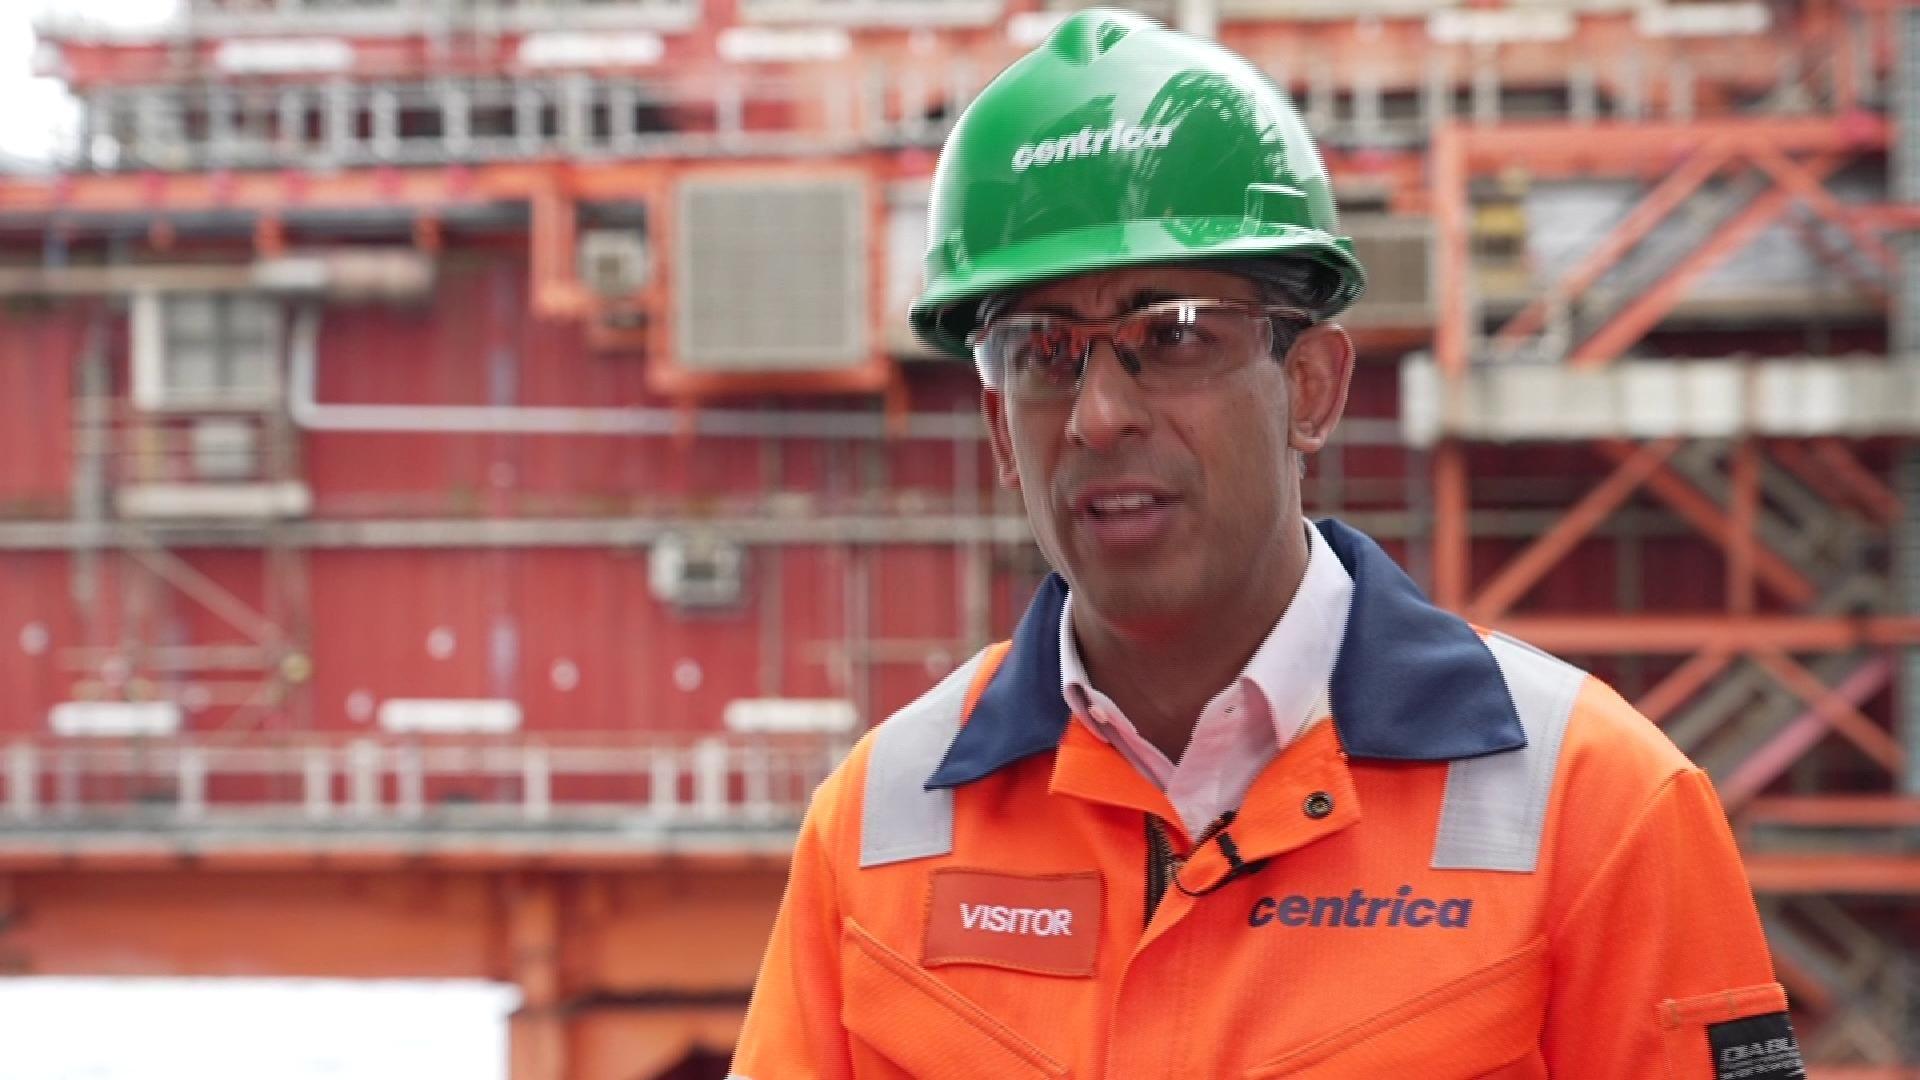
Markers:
{"x": 1413, "y": 682}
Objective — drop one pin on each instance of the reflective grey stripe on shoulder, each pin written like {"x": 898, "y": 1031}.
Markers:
{"x": 899, "y": 818}
{"x": 1495, "y": 810}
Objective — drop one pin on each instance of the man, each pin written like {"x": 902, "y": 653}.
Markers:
{"x": 1236, "y": 800}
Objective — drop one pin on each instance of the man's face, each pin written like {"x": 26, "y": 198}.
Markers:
{"x": 1156, "y": 505}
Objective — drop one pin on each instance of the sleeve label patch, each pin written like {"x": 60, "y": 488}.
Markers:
{"x": 1756, "y": 1048}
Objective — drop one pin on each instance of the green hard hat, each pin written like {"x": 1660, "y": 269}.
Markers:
{"x": 1115, "y": 143}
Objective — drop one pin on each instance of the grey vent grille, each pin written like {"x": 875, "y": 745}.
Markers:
{"x": 772, "y": 275}
{"x": 1397, "y": 253}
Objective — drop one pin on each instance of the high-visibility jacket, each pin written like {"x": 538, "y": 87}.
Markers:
{"x": 1486, "y": 864}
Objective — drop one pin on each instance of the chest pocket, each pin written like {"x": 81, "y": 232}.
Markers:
{"x": 1484, "y": 1024}
{"x": 904, "y": 1023}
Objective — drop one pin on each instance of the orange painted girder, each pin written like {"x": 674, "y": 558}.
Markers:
{"x": 673, "y": 929}
{"x": 1605, "y": 146}
{"x": 1669, "y": 634}
{"x": 1835, "y": 811}
{"x": 385, "y": 188}
{"x": 1882, "y": 875}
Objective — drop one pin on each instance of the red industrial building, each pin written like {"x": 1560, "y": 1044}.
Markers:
{"x": 464, "y": 475}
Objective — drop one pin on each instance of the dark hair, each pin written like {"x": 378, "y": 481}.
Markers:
{"x": 1293, "y": 282}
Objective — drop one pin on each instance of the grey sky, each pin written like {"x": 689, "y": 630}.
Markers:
{"x": 38, "y": 115}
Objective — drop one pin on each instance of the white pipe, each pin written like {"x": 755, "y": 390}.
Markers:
{"x": 310, "y": 413}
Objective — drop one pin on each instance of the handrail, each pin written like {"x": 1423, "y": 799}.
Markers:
{"x": 538, "y": 780}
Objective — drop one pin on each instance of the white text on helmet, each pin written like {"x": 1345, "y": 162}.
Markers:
{"x": 1088, "y": 141}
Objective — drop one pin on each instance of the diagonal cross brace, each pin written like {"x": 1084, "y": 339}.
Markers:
{"x": 1640, "y": 316}
{"x": 1526, "y": 569}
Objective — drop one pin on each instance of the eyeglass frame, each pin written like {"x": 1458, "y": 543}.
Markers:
{"x": 1097, "y": 330}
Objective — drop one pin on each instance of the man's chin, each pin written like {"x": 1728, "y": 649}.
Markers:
{"x": 1142, "y": 597}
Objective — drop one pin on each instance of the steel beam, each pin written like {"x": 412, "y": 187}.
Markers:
{"x": 1453, "y": 281}
{"x": 1524, "y": 570}
{"x": 1834, "y": 811}
{"x": 1828, "y": 874}
{"x": 537, "y": 1045}
{"x": 1665, "y": 197}
{"x": 1814, "y": 195}
{"x": 1682, "y": 683}
{"x": 1744, "y": 514}
{"x": 1686, "y": 634}
{"x": 1838, "y": 476}
{"x": 1651, "y": 305}
{"x": 1612, "y": 147}
{"x": 1707, "y": 516}
{"x": 1872, "y": 493}
{"x": 1828, "y": 710}
{"x": 1906, "y": 569}
{"x": 1452, "y": 539}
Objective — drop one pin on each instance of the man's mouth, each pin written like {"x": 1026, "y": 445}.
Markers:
{"x": 1119, "y": 516}
{"x": 1107, "y": 506}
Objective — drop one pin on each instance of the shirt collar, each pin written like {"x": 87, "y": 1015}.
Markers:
{"x": 1293, "y": 667}
{"x": 1412, "y": 682}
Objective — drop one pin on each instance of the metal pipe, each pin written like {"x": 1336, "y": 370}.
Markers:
{"x": 311, "y": 414}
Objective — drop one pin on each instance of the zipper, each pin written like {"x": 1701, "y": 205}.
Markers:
{"x": 1162, "y": 864}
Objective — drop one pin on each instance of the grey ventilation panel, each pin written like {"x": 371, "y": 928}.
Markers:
{"x": 772, "y": 275}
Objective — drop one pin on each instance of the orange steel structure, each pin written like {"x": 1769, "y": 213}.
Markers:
{"x": 1742, "y": 578}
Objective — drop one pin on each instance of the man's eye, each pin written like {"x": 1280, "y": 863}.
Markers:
{"x": 1049, "y": 346}
{"x": 1046, "y": 346}
{"x": 1179, "y": 335}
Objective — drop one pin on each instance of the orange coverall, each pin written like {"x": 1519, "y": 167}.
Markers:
{"x": 1486, "y": 864}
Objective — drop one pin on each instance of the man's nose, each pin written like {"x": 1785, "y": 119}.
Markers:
{"x": 1110, "y": 405}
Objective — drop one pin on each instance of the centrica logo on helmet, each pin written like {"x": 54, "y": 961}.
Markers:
{"x": 1088, "y": 142}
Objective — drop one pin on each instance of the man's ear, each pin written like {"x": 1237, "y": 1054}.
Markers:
{"x": 1319, "y": 369}
{"x": 993, "y": 407}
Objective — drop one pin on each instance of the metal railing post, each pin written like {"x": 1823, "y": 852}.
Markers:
{"x": 412, "y": 781}
{"x": 363, "y": 777}
{"x": 536, "y": 770}
{"x": 663, "y": 780}
{"x": 710, "y": 778}
{"x": 67, "y": 783}
{"x": 756, "y": 767}
{"x": 191, "y": 804}
{"x": 317, "y": 779}
{"x": 22, "y": 781}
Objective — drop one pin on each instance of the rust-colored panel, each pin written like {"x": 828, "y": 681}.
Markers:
{"x": 401, "y": 623}
{"x": 683, "y": 928}
{"x": 37, "y": 621}
{"x": 813, "y": 622}
{"x": 39, "y": 356}
{"x": 574, "y": 634}
{"x": 187, "y": 922}
{"x": 680, "y": 928}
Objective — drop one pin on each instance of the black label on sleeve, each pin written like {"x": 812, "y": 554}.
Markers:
{"x": 1756, "y": 1048}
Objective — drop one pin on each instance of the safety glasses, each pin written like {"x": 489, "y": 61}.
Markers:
{"x": 1170, "y": 345}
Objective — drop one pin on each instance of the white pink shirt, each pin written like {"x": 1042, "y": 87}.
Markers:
{"x": 1282, "y": 692}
